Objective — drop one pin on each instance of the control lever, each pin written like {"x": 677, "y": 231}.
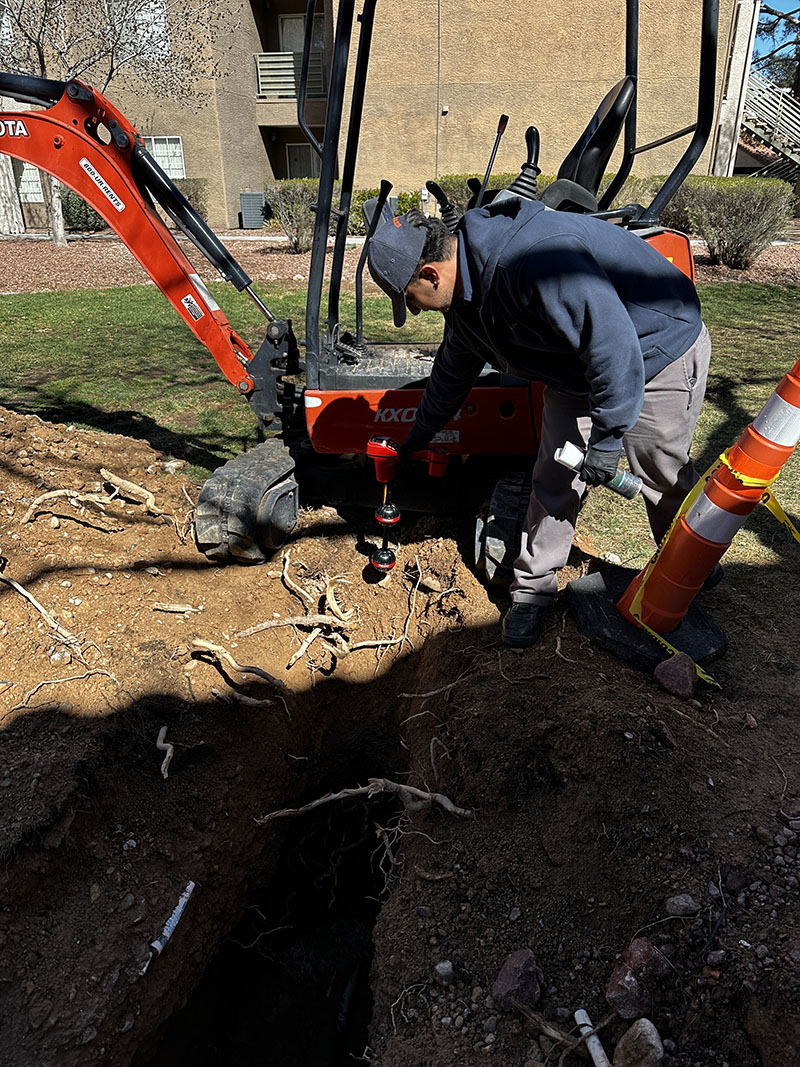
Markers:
{"x": 383, "y": 450}
{"x": 448, "y": 210}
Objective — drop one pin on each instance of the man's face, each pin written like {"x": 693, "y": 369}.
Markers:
{"x": 432, "y": 291}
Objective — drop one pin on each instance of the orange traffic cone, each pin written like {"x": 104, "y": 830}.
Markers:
{"x": 659, "y": 597}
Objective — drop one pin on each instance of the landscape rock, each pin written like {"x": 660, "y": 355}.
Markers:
{"x": 677, "y": 675}
{"x": 639, "y": 1046}
{"x": 644, "y": 958}
{"x": 626, "y": 995}
{"x": 682, "y": 904}
{"x": 520, "y": 979}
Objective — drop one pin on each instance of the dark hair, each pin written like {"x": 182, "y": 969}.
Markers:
{"x": 439, "y": 243}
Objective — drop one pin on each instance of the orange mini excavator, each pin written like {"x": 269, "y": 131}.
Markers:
{"x": 321, "y": 406}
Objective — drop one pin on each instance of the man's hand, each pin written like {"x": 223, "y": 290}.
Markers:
{"x": 599, "y": 466}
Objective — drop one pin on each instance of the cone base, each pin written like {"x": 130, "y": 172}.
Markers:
{"x": 592, "y": 602}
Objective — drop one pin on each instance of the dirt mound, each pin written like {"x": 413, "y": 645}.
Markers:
{"x": 596, "y": 798}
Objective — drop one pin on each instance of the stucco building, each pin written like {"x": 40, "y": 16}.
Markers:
{"x": 440, "y": 76}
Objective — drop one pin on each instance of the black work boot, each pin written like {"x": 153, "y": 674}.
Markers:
{"x": 714, "y": 578}
{"x": 522, "y": 624}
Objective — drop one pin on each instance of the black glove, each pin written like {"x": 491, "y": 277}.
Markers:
{"x": 416, "y": 441}
{"x": 600, "y": 466}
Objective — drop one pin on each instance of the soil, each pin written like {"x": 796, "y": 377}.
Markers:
{"x": 594, "y": 797}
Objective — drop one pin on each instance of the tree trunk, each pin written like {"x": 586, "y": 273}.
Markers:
{"x": 56, "y": 213}
{"x": 11, "y": 220}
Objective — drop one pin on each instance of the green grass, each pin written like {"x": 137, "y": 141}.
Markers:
{"x": 121, "y": 360}
{"x": 754, "y": 342}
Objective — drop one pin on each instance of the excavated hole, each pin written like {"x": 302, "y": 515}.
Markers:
{"x": 290, "y": 983}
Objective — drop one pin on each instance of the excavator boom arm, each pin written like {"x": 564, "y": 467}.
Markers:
{"x": 85, "y": 142}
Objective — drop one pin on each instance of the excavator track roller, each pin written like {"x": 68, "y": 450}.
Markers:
{"x": 249, "y": 506}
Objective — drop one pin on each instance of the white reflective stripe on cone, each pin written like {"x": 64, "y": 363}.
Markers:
{"x": 713, "y": 522}
{"x": 778, "y": 421}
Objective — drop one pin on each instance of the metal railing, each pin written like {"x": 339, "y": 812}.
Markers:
{"x": 278, "y": 75}
{"x": 773, "y": 115}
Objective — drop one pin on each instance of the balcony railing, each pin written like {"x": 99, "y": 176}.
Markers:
{"x": 278, "y": 74}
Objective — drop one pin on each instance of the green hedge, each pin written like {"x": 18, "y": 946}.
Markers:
{"x": 78, "y": 216}
{"x": 196, "y": 192}
{"x": 737, "y": 217}
{"x": 289, "y": 200}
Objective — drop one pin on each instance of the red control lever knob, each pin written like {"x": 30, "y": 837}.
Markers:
{"x": 384, "y": 451}
{"x": 437, "y": 462}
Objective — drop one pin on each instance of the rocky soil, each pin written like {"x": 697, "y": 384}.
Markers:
{"x": 616, "y": 848}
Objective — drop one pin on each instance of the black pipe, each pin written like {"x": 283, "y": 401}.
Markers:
{"x": 705, "y": 114}
{"x": 301, "y": 89}
{"x": 383, "y": 196}
{"x": 631, "y": 71}
{"x": 29, "y": 90}
{"x": 322, "y": 209}
{"x": 501, "y": 129}
{"x": 366, "y": 19}
{"x": 666, "y": 140}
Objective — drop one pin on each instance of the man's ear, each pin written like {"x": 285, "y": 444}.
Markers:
{"x": 430, "y": 273}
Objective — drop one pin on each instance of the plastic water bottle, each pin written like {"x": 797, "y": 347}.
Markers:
{"x": 623, "y": 483}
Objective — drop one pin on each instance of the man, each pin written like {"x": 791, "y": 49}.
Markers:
{"x": 590, "y": 309}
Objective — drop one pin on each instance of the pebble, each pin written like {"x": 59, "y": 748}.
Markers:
{"x": 715, "y": 958}
{"x": 443, "y": 973}
{"x": 682, "y": 904}
{"x": 639, "y": 1046}
{"x": 677, "y": 675}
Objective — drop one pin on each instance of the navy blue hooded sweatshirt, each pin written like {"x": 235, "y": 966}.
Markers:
{"x": 575, "y": 302}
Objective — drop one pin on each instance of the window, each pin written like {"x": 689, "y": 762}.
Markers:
{"x": 142, "y": 27}
{"x": 292, "y": 31}
{"x": 168, "y": 153}
{"x": 29, "y": 183}
{"x": 301, "y": 161}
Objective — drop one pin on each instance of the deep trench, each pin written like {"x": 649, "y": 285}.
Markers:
{"x": 290, "y": 983}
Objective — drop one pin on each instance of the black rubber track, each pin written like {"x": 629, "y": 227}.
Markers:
{"x": 229, "y": 524}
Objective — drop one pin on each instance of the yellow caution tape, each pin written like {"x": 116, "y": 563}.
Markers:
{"x": 770, "y": 501}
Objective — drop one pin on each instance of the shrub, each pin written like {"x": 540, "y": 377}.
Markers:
{"x": 289, "y": 201}
{"x": 405, "y": 201}
{"x": 739, "y": 217}
{"x": 196, "y": 192}
{"x": 77, "y": 213}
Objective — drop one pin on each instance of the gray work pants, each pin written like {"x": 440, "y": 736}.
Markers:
{"x": 657, "y": 447}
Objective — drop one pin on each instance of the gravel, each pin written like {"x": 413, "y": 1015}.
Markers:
{"x": 32, "y": 264}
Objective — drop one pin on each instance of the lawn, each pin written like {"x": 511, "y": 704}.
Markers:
{"x": 122, "y": 360}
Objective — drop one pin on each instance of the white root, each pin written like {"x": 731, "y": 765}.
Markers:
{"x": 58, "y": 681}
{"x": 330, "y": 599}
{"x": 305, "y": 646}
{"x": 81, "y": 498}
{"x": 411, "y": 797}
{"x": 164, "y": 746}
{"x": 132, "y": 490}
{"x": 176, "y": 609}
{"x": 67, "y": 637}
{"x": 304, "y": 594}
{"x": 234, "y": 696}
{"x": 222, "y": 654}
{"x": 292, "y": 620}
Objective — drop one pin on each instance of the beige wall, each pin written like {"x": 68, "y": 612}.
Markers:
{"x": 440, "y": 76}
{"x": 437, "y": 88}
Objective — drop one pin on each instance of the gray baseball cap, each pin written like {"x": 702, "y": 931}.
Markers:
{"x": 394, "y": 252}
